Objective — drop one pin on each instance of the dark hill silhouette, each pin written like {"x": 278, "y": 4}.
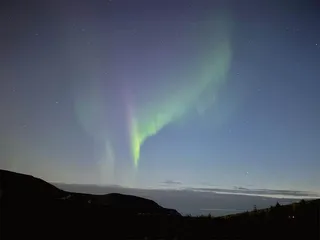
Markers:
{"x": 32, "y": 208}
{"x": 16, "y": 185}
{"x": 128, "y": 200}
{"x": 21, "y": 188}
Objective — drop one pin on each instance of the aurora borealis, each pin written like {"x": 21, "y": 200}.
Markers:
{"x": 139, "y": 93}
{"x": 211, "y": 71}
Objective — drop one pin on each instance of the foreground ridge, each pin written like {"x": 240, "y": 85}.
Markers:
{"x": 31, "y": 207}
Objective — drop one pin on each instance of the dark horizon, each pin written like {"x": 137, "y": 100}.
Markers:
{"x": 191, "y": 202}
{"x": 34, "y": 208}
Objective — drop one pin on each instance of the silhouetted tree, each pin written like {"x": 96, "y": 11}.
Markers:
{"x": 302, "y": 202}
{"x": 255, "y": 208}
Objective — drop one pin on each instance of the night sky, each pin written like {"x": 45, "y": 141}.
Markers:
{"x": 149, "y": 94}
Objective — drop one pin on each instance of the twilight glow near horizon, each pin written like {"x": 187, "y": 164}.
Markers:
{"x": 162, "y": 93}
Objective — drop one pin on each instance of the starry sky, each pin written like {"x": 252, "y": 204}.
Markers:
{"x": 153, "y": 94}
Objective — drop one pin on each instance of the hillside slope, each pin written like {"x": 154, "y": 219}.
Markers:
{"x": 16, "y": 188}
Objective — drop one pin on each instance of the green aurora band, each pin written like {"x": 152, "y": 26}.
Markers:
{"x": 209, "y": 77}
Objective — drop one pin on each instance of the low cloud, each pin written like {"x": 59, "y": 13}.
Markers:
{"x": 260, "y": 192}
{"x": 172, "y": 182}
{"x": 216, "y": 201}
{"x": 240, "y": 188}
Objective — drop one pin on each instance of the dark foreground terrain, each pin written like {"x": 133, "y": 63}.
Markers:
{"x": 32, "y": 208}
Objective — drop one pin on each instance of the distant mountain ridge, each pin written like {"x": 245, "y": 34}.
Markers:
{"x": 21, "y": 188}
